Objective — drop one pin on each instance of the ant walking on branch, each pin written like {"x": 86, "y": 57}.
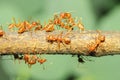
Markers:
{"x": 93, "y": 46}
{"x": 59, "y": 39}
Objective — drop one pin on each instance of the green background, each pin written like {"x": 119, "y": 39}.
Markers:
{"x": 95, "y": 14}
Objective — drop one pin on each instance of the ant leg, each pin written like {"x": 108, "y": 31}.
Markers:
{"x": 13, "y": 19}
{"x": 58, "y": 41}
{"x": 29, "y": 65}
{"x": 43, "y": 67}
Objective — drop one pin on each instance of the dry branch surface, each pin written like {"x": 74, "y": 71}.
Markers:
{"x": 36, "y": 43}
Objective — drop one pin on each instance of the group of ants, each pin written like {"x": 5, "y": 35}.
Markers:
{"x": 63, "y": 20}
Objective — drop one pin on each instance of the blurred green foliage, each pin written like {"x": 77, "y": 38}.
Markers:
{"x": 95, "y": 14}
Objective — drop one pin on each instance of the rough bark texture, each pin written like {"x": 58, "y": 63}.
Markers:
{"x": 36, "y": 43}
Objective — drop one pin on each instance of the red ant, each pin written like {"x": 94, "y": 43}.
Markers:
{"x": 98, "y": 41}
{"x": 65, "y": 15}
{"x": 32, "y": 60}
{"x": 59, "y": 39}
{"x": 41, "y": 60}
{"x": 25, "y": 26}
{"x": 26, "y": 57}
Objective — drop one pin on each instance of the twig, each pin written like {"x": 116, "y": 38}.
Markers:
{"x": 13, "y": 43}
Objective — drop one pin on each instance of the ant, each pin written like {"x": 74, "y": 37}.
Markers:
{"x": 65, "y": 15}
{"x": 41, "y": 60}
{"x": 51, "y": 38}
{"x": 21, "y": 30}
{"x": 59, "y": 39}
{"x": 26, "y": 57}
{"x": 98, "y": 41}
{"x": 63, "y": 39}
{"x": 32, "y": 60}
{"x": 25, "y": 26}
{"x": 21, "y": 26}
{"x": 35, "y": 23}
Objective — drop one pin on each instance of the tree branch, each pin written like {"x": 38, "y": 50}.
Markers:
{"x": 36, "y": 43}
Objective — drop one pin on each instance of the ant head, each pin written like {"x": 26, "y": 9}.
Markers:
{"x": 34, "y": 23}
{"x": 67, "y": 40}
{"x": 65, "y": 15}
{"x": 102, "y": 38}
{"x": 51, "y": 38}
{"x": 2, "y": 33}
